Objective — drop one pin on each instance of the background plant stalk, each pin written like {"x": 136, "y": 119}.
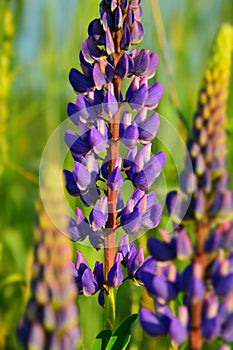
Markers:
{"x": 195, "y": 334}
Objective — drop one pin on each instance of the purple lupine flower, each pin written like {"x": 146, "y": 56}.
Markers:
{"x": 221, "y": 237}
{"x": 225, "y": 313}
{"x": 163, "y": 250}
{"x": 50, "y": 319}
{"x": 135, "y": 261}
{"x": 144, "y": 170}
{"x": 115, "y": 275}
{"x": 163, "y": 284}
{"x": 115, "y": 179}
{"x": 156, "y": 324}
{"x": 99, "y": 214}
{"x": 202, "y": 211}
{"x": 152, "y": 324}
{"x": 177, "y": 246}
{"x": 106, "y": 117}
{"x": 148, "y": 127}
{"x": 222, "y": 275}
{"x": 78, "y": 229}
{"x": 178, "y": 329}
{"x": 126, "y": 249}
{"x": 78, "y": 269}
{"x": 131, "y": 258}
{"x": 211, "y": 321}
{"x": 88, "y": 282}
{"x": 141, "y": 210}
{"x": 81, "y": 182}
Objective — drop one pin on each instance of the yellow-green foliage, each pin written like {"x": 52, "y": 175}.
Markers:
{"x": 7, "y": 33}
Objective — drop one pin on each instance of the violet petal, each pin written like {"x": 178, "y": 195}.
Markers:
{"x": 90, "y": 286}
{"x": 151, "y": 323}
{"x": 155, "y": 93}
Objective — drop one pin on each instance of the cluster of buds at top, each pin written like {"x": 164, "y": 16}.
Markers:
{"x": 106, "y": 117}
{"x": 206, "y": 178}
{"x": 206, "y": 282}
{"x": 50, "y": 320}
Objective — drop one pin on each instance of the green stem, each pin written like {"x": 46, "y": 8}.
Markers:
{"x": 110, "y": 309}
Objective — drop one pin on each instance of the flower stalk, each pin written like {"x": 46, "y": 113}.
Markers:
{"x": 110, "y": 239}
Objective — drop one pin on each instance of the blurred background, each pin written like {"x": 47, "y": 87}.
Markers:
{"x": 39, "y": 43}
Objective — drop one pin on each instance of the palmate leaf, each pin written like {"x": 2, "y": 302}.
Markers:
{"x": 119, "y": 340}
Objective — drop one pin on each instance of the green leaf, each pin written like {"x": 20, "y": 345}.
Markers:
{"x": 102, "y": 340}
{"x": 13, "y": 278}
{"x": 105, "y": 340}
{"x": 121, "y": 337}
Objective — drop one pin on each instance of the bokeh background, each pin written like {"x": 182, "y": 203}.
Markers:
{"x": 43, "y": 42}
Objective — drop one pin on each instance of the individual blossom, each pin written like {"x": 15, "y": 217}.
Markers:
{"x": 88, "y": 282}
{"x": 163, "y": 322}
{"x": 141, "y": 210}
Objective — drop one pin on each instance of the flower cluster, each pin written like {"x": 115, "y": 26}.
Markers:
{"x": 164, "y": 282}
{"x": 127, "y": 265}
{"x": 204, "y": 286}
{"x": 141, "y": 210}
{"x": 50, "y": 320}
{"x": 106, "y": 117}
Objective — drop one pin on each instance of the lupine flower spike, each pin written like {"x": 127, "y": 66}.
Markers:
{"x": 205, "y": 285}
{"x": 50, "y": 320}
{"x": 105, "y": 118}
{"x": 51, "y": 317}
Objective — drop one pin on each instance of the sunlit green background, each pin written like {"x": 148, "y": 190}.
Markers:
{"x": 47, "y": 39}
